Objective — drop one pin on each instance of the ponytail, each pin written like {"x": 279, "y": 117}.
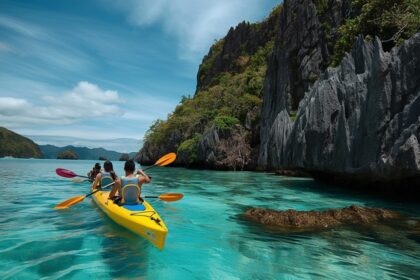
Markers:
{"x": 113, "y": 175}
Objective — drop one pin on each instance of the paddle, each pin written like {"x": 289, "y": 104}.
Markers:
{"x": 67, "y": 173}
{"x": 163, "y": 161}
{"x": 74, "y": 200}
{"x": 80, "y": 180}
{"x": 169, "y": 197}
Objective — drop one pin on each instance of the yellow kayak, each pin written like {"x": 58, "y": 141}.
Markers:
{"x": 141, "y": 219}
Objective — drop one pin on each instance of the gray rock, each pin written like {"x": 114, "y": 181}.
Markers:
{"x": 361, "y": 119}
{"x": 300, "y": 54}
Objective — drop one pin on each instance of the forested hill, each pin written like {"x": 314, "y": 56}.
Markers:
{"x": 52, "y": 152}
{"x": 15, "y": 145}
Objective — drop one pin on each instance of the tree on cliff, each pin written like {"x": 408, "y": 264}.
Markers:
{"x": 67, "y": 154}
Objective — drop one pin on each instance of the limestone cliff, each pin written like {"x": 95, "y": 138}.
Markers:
{"x": 359, "y": 121}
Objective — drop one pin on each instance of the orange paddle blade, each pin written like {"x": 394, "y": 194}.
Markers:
{"x": 70, "y": 202}
{"x": 166, "y": 159}
{"x": 171, "y": 196}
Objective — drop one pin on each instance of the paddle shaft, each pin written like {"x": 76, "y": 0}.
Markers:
{"x": 100, "y": 189}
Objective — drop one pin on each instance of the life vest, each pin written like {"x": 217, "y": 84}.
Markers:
{"x": 106, "y": 179}
{"x": 130, "y": 190}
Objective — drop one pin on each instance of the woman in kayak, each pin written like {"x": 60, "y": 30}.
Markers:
{"x": 105, "y": 178}
{"x": 129, "y": 186}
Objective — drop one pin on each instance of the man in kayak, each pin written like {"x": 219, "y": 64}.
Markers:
{"x": 95, "y": 171}
{"x": 106, "y": 177}
{"x": 129, "y": 186}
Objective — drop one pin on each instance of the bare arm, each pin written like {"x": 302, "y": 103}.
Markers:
{"x": 144, "y": 177}
{"x": 115, "y": 187}
{"x": 96, "y": 181}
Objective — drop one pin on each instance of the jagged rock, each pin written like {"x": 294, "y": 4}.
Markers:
{"x": 245, "y": 37}
{"x": 298, "y": 221}
{"x": 300, "y": 54}
{"x": 361, "y": 119}
{"x": 224, "y": 148}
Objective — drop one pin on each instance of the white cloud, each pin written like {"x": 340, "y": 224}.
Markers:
{"x": 194, "y": 23}
{"x": 84, "y": 101}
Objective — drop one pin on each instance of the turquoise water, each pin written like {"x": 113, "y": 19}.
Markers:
{"x": 207, "y": 237}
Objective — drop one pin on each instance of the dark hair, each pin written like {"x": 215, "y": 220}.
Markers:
{"x": 129, "y": 166}
{"x": 97, "y": 166}
{"x": 109, "y": 168}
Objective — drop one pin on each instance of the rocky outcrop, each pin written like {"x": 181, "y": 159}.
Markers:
{"x": 360, "y": 121}
{"x": 301, "y": 221}
{"x": 300, "y": 55}
{"x": 244, "y": 38}
{"x": 225, "y": 148}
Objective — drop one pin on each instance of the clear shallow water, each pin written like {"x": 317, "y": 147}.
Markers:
{"x": 207, "y": 238}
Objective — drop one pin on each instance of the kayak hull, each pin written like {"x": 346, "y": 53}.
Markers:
{"x": 146, "y": 223}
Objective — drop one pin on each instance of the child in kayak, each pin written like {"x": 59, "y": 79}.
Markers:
{"x": 95, "y": 171}
{"x": 129, "y": 186}
{"x": 106, "y": 177}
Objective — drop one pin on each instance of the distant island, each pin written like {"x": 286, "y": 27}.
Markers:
{"x": 52, "y": 152}
{"x": 67, "y": 154}
{"x": 18, "y": 146}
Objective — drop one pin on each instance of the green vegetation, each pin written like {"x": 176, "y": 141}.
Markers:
{"x": 15, "y": 145}
{"x": 224, "y": 103}
{"x": 209, "y": 61}
{"x": 225, "y": 122}
{"x": 67, "y": 154}
{"x": 188, "y": 148}
{"x": 392, "y": 21}
{"x": 293, "y": 115}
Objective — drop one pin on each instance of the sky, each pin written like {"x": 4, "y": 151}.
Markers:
{"x": 102, "y": 70}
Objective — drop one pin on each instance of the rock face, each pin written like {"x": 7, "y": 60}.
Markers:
{"x": 361, "y": 119}
{"x": 299, "y": 221}
{"x": 245, "y": 37}
{"x": 15, "y": 145}
{"x": 225, "y": 149}
{"x": 300, "y": 55}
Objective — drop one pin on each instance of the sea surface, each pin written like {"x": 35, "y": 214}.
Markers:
{"x": 208, "y": 237}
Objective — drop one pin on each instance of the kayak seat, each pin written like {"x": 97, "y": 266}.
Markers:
{"x": 135, "y": 207}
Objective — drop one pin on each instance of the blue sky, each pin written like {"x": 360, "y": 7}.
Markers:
{"x": 105, "y": 69}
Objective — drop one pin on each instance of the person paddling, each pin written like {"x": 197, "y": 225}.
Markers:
{"x": 129, "y": 186}
{"x": 95, "y": 171}
{"x": 106, "y": 177}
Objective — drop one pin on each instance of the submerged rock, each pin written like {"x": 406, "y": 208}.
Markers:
{"x": 297, "y": 221}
